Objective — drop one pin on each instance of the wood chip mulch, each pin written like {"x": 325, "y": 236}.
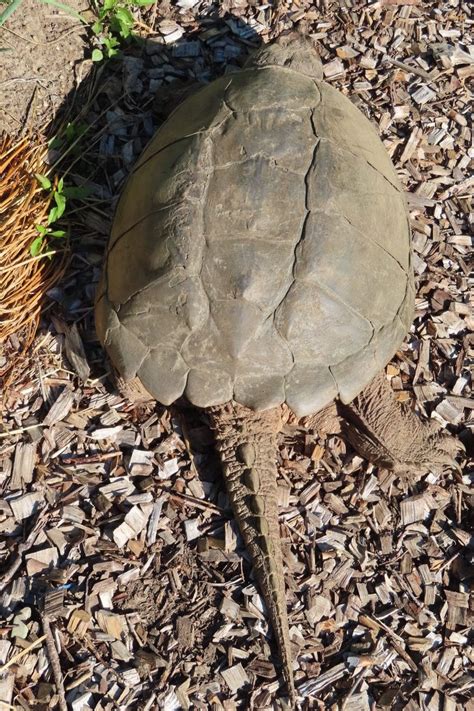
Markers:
{"x": 123, "y": 580}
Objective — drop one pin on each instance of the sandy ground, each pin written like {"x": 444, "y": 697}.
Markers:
{"x": 43, "y": 59}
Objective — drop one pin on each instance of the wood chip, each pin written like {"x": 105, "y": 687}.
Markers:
{"x": 62, "y": 407}
{"x": 75, "y": 352}
{"x": 25, "y": 505}
{"x": 79, "y": 622}
{"x": 235, "y": 677}
{"x": 23, "y": 465}
{"x": 111, "y": 623}
{"x": 414, "y": 508}
{"x": 329, "y": 678}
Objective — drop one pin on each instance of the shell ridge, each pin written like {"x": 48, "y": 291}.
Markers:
{"x": 150, "y": 285}
{"x": 206, "y": 243}
{"x": 253, "y": 157}
{"x": 139, "y": 222}
{"x": 405, "y": 298}
{"x": 336, "y": 385}
{"x": 335, "y": 297}
{"x": 142, "y": 163}
{"x": 279, "y": 67}
{"x": 364, "y": 149}
{"x": 226, "y": 102}
{"x": 373, "y": 193}
{"x": 338, "y": 389}
{"x": 363, "y": 234}
{"x": 180, "y": 138}
{"x": 148, "y": 349}
{"x": 374, "y": 335}
{"x": 296, "y": 245}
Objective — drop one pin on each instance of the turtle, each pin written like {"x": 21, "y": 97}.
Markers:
{"x": 260, "y": 267}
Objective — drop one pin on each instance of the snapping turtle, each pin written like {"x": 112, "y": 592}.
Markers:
{"x": 260, "y": 265}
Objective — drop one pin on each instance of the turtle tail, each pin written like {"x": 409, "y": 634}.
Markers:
{"x": 247, "y": 442}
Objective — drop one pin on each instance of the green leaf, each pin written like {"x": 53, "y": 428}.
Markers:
{"x": 97, "y": 55}
{"x": 36, "y": 246}
{"x": 124, "y": 15}
{"x": 9, "y": 11}
{"x": 70, "y": 131}
{"x": 53, "y": 215}
{"x": 43, "y": 181}
{"x": 97, "y": 27}
{"x": 60, "y": 185}
{"x": 124, "y": 31}
{"x": 60, "y": 201}
{"x": 142, "y": 3}
{"x": 122, "y": 21}
{"x": 76, "y": 193}
{"x": 109, "y": 4}
{"x": 55, "y": 142}
{"x": 111, "y": 43}
{"x": 74, "y": 130}
{"x": 41, "y": 229}
{"x": 57, "y": 233}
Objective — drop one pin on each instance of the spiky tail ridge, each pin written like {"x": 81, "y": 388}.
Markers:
{"x": 247, "y": 443}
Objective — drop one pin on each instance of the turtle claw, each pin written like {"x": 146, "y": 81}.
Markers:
{"x": 440, "y": 452}
{"x": 434, "y": 451}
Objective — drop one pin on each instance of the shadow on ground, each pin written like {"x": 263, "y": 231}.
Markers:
{"x": 100, "y": 131}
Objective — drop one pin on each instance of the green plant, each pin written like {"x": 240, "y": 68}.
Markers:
{"x": 60, "y": 194}
{"x": 114, "y": 24}
{"x": 59, "y": 198}
{"x": 40, "y": 242}
{"x": 69, "y": 137}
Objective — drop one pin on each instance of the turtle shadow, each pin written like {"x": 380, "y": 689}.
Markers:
{"x": 98, "y": 134}
{"x": 95, "y": 139}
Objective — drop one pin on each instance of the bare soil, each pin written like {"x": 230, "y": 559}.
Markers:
{"x": 42, "y": 60}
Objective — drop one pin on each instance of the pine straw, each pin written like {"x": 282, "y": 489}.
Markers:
{"x": 24, "y": 280}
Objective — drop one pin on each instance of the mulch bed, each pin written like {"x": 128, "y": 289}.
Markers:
{"x": 123, "y": 580}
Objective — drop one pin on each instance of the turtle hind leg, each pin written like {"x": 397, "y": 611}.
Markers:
{"x": 391, "y": 435}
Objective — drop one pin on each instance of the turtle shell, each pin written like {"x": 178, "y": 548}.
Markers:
{"x": 260, "y": 250}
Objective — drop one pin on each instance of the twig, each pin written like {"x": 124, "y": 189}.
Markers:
{"x": 55, "y": 663}
{"x": 408, "y": 68}
{"x": 21, "y": 654}
{"x": 55, "y": 40}
{"x": 80, "y": 679}
{"x": 91, "y": 458}
{"x": 12, "y": 267}
{"x": 20, "y": 430}
{"x": 197, "y": 503}
{"x": 355, "y": 687}
{"x": 378, "y": 625}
